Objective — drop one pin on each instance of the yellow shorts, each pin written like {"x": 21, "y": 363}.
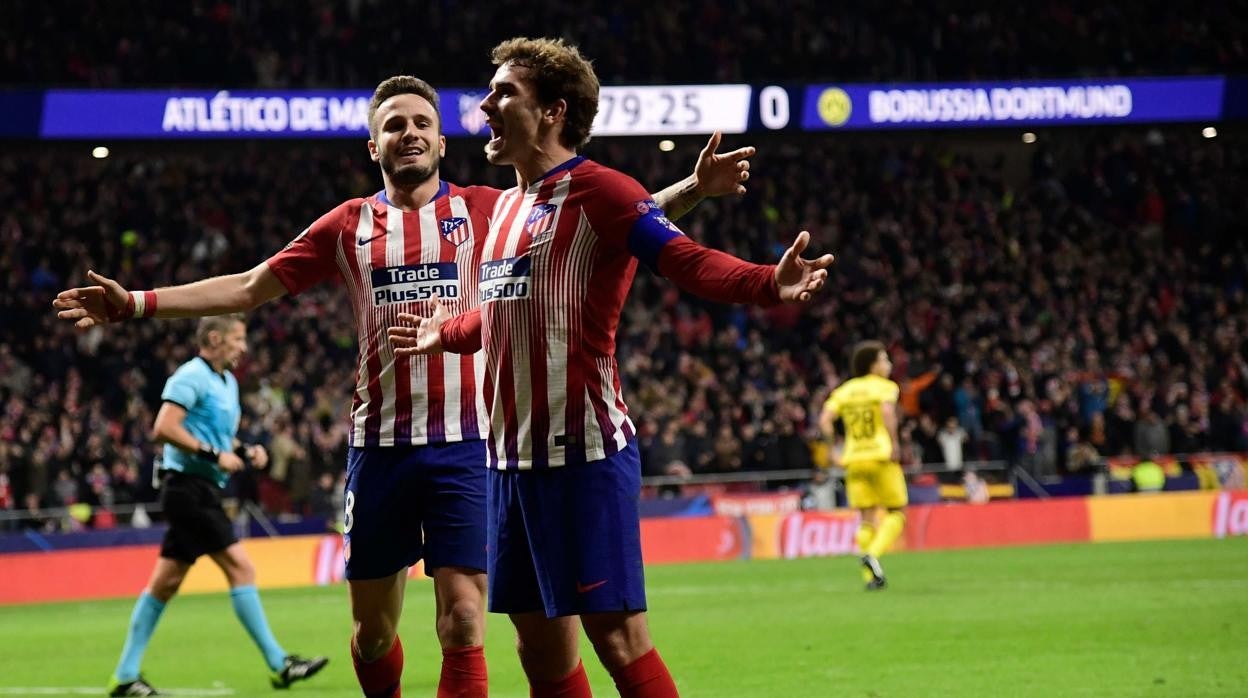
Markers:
{"x": 878, "y": 484}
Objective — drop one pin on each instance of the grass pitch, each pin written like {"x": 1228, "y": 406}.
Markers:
{"x": 1136, "y": 619}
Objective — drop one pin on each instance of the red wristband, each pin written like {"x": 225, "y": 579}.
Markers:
{"x": 140, "y": 304}
{"x": 149, "y": 303}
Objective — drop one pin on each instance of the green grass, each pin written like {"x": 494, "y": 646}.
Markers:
{"x": 1138, "y": 619}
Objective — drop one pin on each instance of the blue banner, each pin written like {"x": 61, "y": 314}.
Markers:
{"x": 232, "y": 114}
{"x": 988, "y": 104}
{"x": 675, "y": 110}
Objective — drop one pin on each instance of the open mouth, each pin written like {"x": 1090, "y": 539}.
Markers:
{"x": 411, "y": 153}
{"x": 496, "y": 131}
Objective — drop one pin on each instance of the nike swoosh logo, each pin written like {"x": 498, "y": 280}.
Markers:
{"x": 362, "y": 243}
{"x": 585, "y": 588}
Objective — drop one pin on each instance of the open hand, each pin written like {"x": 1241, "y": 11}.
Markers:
{"x": 799, "y": 279}
{"x": 719, "y": 174}
{"x": 418, "y": 335}
{"x": 89, "y": 306}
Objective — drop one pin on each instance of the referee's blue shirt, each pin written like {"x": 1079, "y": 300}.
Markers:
{"x": 212, "y": 413}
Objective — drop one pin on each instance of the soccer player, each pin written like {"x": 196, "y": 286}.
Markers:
{"x": 874, "y": 483}
{"x": 197, "y": 423}
{"x": 416, "y": 475}
{"x": 564, "y": 479}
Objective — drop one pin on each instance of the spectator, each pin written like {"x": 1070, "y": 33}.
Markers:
{"x": 952, "y": 438}
{"x": 1151, "y": 438}
{"x": 321, "y": 501}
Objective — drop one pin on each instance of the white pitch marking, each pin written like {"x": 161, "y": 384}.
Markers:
{"x": 97, "y": 691}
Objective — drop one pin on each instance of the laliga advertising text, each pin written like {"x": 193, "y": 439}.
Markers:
{"x": 808, "y": 534}
{"x": 1230, "y": 514}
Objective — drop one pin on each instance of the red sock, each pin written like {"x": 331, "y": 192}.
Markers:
{"x": 463, "y": 673}
{"x": 574, "y": 685}
{"x": 380, "y": 678}
{"x": 646, "y": 677}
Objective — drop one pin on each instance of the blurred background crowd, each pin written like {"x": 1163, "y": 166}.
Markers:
{"x": 1048, "y": 305}
{"x": 336, "y": 43}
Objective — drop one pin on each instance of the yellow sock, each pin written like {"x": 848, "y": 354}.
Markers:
{"x": 890, "y": 529}
{"x": 864, "y": 536}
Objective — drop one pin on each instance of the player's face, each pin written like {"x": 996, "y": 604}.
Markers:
{"x": 408, "y": 144}
{"x": 882, "y": 366}
{"x": 512, "y": 113}
{"x": 234, "y": 344}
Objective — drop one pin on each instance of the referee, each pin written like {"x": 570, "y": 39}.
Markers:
{"x": 197, "y": 423}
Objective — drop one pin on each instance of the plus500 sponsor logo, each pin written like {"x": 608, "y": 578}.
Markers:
{"x": 817, "y": 535}
{"x": 415, "y": 282}
{"x": 1230, "y": 514}
{"x": 505, "y": 279}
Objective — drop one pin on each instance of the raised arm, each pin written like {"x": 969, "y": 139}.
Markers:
{"x": 108, "y": 302}
{"x": 714, "y": 174}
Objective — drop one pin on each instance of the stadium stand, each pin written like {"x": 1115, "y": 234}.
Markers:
{"x": 1078, "y": 299}
{"x": 351, "y": 42}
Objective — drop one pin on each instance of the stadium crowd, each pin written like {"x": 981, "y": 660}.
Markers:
{"x": 1089, "y": 305}
{"x": 351, "y": 42}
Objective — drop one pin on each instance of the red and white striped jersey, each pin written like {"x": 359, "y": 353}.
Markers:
{"x": 394, "y": 261}
{"x": 557, "y": 265}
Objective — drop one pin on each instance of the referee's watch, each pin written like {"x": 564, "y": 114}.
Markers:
{"x": 206, "y": 451}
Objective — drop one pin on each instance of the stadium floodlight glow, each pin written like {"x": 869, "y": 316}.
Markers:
{"x": 1029, "y": 137}
{"x": 666, "y": 145}
{"x": 1209, "y": 132}
{"x": 99, "y": 152}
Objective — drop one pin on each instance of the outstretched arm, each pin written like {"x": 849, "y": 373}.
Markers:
{"x": 721, "y": 277}
{"x": 714, "y": 174}
{"x": 108, "y": 302}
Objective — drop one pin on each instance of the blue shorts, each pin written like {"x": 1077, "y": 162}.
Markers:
{"x": 567, "y": 540}
{"x": 405, "y": 503}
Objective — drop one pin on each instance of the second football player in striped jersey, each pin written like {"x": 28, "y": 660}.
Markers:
{"x": 416, "y": 476}
{"x": 561, "y": 252}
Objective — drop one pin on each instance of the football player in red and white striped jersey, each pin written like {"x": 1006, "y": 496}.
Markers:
{"x": 416, "y": 475}
{"x": 558, "y": 260}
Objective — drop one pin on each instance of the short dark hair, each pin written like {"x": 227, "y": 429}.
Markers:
{"x": 864, "y": 356}
{"x": 216, "y": 323}
{"x": 401, "y": 85}
{"x": 559, "y": 71}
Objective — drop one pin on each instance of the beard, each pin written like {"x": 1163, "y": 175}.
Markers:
{"x": 409, "y": 175}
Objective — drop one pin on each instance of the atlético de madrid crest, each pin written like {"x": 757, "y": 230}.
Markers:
{"x": 454, "y": 230}
{"x": 540, "y": 221}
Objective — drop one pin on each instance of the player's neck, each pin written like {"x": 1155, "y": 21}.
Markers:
{"x": 541, "y": 161}
{"x": 216, "y": 362}
{"x": 412, "y": 198}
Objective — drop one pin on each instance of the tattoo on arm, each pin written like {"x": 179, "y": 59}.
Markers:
{"x": 679, "y": 198}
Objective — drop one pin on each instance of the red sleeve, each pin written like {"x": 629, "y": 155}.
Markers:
{"x": 462, "y": 333}
{"x": 623, "y": 215}
{"x": 482, "y": 198}
{"x": 309, "y": 258}
{"x": 716, "y": 275}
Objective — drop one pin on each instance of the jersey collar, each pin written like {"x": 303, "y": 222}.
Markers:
{"x": 562, "y": 167}
{"x": 444, "y": 188}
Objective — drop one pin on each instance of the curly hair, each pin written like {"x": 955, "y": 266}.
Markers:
{"x": 864, "y": 357}
{"x": 558, "y": 71}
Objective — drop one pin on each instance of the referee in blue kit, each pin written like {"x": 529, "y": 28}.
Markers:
{"x": 197, "y": 423}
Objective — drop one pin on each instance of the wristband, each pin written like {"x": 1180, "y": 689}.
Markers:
{"x": 209, "y": 452}
{"x": 141, "y": 304}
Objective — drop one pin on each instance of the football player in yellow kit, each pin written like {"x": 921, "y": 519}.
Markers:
{"x": 874, "y": 483}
